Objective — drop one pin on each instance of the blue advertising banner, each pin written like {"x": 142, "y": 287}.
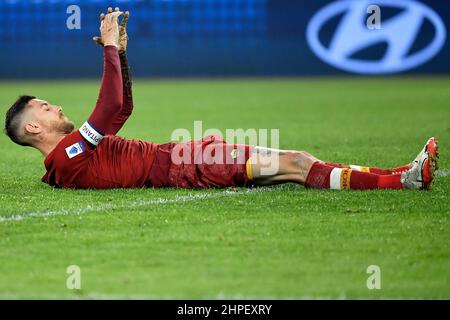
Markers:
{"x": 172, "y": 38}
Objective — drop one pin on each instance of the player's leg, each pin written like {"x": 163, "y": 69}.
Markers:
{"x": 270, "y": 166}
{"x": 274, "y": 167}
{"x": 375, "y": 170}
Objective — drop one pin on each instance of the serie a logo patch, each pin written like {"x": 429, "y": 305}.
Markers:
{"x": 75, "y": 149}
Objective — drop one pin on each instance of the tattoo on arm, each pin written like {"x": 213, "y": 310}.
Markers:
{"x": 126, "y": 74}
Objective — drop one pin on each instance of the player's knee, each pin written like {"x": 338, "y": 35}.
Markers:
{"x": 297, "y": 154}
{"x": 301, "y": 159}
{"x": 292, "y": 157}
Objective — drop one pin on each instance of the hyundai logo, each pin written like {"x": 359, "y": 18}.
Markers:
{"x": 399, "y": 32}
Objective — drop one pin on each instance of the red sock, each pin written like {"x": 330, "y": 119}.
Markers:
{"x": 370, "y": 169}
{"x": 319, "y": 176}
{"x": 324, "y": 176}
{"x": 392, "y": 181}
{"x": 402, "y": 168}
{"x": 366, "y": 181}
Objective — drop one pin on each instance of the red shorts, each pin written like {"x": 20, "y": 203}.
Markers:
{"x": 206, "y": 163}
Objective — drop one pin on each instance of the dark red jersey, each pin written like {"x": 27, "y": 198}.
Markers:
{"x": 114, "y": 163}
{"x": 94, "y": 157}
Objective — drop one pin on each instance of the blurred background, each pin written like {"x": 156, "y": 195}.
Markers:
{"x": 224, "y": 38}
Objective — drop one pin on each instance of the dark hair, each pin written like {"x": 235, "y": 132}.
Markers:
{"x": 12, "y": 115}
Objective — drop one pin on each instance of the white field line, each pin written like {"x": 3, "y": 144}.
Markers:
{"x": 130, "y": 205}
{"x": 442, "y": 173}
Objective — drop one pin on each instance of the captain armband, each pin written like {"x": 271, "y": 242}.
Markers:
{"x": 91, "y": 134}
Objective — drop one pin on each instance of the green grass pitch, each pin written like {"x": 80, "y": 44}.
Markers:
{"x": 280, "y": 242}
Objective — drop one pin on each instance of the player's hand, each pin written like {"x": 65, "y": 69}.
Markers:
{"x": 109, "y": 28}
{"x": 123, "y": 36}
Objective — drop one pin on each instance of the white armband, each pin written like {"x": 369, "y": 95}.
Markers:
{"x": 92, "y": 135}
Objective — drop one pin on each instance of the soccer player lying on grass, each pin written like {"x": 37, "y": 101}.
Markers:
{"x": 94, "y": 157}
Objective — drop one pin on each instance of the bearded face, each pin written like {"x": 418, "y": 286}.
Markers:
{"x": 62, "y": 125}
{"x": 51, "y": 117}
